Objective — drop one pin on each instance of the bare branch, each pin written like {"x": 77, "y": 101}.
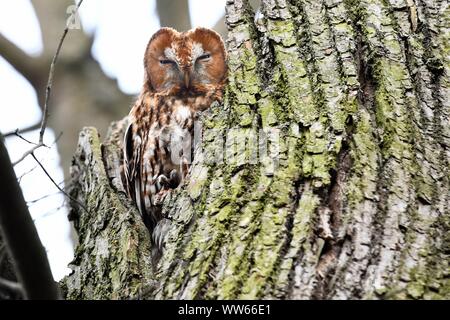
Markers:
{"x": 48, "y": 89}
{"x": 56, "y": 184}
{"x": 34, "y": 168}
{"x": 52, "y": 212}
{"x": 19, "y": 232}
{"x": 32, "y": 150}
{"x": 19, "y": 179}
{"x": 24, "y": 139}
{"x": 24, "y": 130}
{"x": 26, "y": 154}
{"x": 50, "y": 79}
{"x": 21, "y": 238}
{"x": 11, "y": 285}
{"x": 34, "y": 201}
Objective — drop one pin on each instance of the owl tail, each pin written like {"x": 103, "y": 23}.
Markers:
{"x": 159, "y": 235}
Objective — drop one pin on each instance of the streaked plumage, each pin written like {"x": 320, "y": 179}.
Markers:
{"x": 184, "y": 74}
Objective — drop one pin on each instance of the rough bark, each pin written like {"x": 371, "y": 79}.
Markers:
{"x": 112, "y": 258}
{"x": 7, "y": 273}
{"x": 351, "y": 203}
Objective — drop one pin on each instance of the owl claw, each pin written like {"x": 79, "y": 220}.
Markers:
{"x": 162, "y": 182}
{"x": 174, "y": 179}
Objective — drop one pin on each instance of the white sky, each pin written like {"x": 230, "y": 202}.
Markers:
{"x": 122, "y": 30}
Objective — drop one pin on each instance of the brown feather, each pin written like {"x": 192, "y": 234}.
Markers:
{"x": 184, "y": 74}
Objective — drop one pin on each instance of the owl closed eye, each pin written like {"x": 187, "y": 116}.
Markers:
{"x": 184, "y": 62}
{"x": 185, "y": 72}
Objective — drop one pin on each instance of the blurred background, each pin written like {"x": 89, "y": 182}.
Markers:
{"x": 99, "y": 73}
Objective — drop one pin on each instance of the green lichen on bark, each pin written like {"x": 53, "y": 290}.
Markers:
{"x": 112, "y": 259}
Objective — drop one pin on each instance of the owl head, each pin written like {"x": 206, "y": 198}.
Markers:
{"x": 190, "y": 62}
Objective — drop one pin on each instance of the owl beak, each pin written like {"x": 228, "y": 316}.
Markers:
{"x": 187, "y": 78}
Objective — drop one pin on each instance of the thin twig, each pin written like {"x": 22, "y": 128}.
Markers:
{"x": 48, "y": 90}
{"x": 51, "y": 212}
{"x": 56, "y": 184}
{"x": 32, "y": 169}
{"x": 26, "y": 173}
{"x": 11, "y": 285}
{"x": 18, "y": 229}
{"x": 57, "y": 138}
{"x": 34, "y": 201}
{"x": 26, "y": 154}
{"x": 64, "y": 182}
{"x": 24, "y": 130}
{"x": 17, "y": 134}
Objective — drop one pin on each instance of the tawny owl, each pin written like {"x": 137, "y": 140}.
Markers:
{"x": 184, "y": 74}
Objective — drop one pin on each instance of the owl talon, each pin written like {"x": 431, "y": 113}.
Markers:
{"x": 162, "y": 182}
{"x": 174, "y": 179}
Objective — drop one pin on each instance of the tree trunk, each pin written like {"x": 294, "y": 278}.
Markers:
{"x": 346, "y": 105}
{"x": 7, "y": 273}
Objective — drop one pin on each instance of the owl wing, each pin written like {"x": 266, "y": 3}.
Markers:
{"x": 143, "y": 170}
{"x": 149, "y": 172}
{"x": 132, "y": 168}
